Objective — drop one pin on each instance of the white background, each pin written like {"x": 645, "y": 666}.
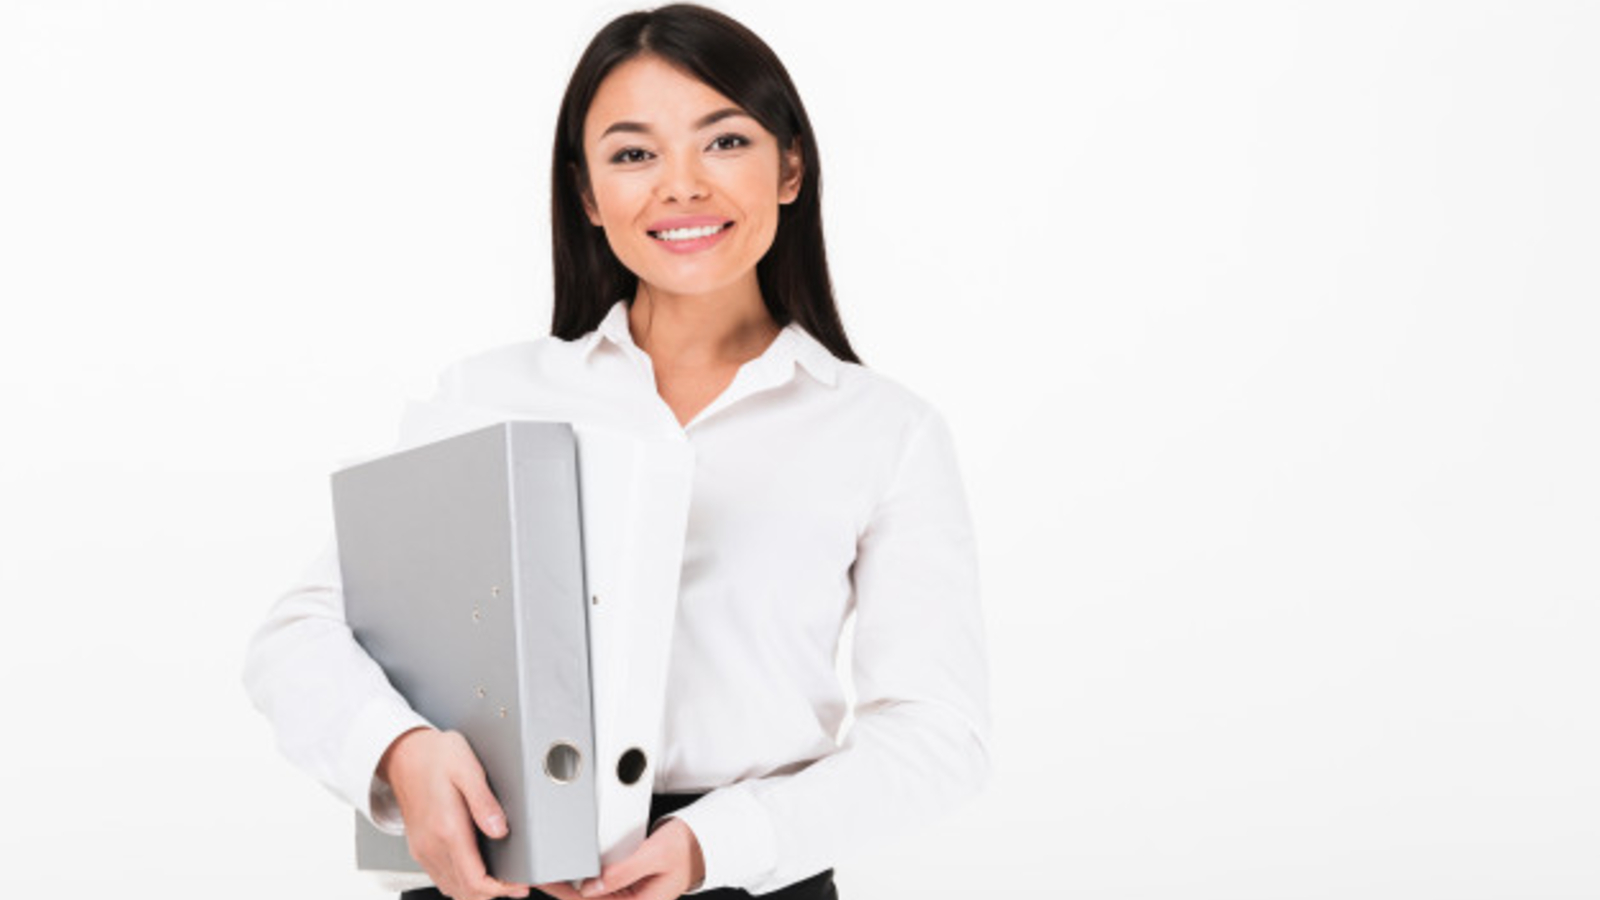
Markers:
{"x": 1268, "y": 333}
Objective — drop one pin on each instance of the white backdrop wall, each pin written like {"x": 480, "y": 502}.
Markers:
{"x": 1267, "y": 330}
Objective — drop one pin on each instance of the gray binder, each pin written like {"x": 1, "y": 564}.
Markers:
{"x": 462, "y": 566}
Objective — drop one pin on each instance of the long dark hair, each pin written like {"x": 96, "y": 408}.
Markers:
{"x": 730, "y": 59}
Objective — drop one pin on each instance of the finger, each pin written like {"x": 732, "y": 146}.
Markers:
{"x": 661, "y": 887}
{"x": 641, "y": 863}
{"x": 467, "y": 870}
{"x": 561, "y": 890}
{"x": 486, "y": 810}
{"x": 437, "y": 847}
{"x": 480, "y": 884}
{"x": 494, "y": 887}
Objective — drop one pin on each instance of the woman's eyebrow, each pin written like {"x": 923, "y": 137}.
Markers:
{"x": 705, "y": 121}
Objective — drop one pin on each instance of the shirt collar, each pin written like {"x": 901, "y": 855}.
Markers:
{"x": 792, "y": 345}
{"x": 613, "y": 328}
{"x": 816, "y": 359}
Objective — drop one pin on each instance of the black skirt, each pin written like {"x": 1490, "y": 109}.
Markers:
{"x": 817, "y": 887}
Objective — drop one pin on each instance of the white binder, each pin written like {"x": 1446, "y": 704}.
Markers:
{"x": 636, "y": 513}
{"x": 635, "y": 493}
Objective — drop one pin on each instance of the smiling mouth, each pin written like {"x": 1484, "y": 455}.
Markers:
{"x": 689, "y": 234}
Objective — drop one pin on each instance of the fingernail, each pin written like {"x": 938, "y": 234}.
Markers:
{"x": 497, "y": 826}
{"x": 594, "y": 888}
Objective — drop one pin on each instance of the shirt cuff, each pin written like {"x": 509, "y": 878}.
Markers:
{"x": 735, "y": 836}
{"x": 383, "y": 809}
{"x": 373, "y": 730}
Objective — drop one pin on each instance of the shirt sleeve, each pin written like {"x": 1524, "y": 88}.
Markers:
{"x": 331, "y": 707}
{"x": 919, "y": 742}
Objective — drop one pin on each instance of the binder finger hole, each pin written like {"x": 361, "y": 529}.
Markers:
{"x": 631, "y": 766}
{"x": 562, "y": 762}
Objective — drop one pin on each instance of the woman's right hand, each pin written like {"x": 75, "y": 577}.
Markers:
{"x": 442, "y": 793}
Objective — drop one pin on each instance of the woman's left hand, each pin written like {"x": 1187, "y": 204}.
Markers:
{"x": 666, "y": 865}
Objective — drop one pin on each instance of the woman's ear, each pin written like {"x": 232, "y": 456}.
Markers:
{"x": 791, "y": 171}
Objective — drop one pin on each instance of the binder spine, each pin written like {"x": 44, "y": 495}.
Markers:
{"x": 556, "y": 718}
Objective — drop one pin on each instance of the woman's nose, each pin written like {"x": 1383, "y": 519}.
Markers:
{"x": 682, "y": 179}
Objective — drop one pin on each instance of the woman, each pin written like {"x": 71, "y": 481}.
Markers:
{"x": 692, "y": 296}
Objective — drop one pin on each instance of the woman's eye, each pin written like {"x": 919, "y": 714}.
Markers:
{"x": 630, "y": 155}
{"x": 730, "y": 142}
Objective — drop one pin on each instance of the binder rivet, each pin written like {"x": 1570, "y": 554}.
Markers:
{"x": 481, "y": 692}
{"x": 494, "y": 591}
{"x": 631, "y": 765}
{"x": 563, "y": 762}
{"x": 477, "y": 614}
{"x": 596, "y": 599}
{"x": 502, "y": 712}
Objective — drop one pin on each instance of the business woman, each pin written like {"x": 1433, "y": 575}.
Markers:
{"x": 692, "y": 299}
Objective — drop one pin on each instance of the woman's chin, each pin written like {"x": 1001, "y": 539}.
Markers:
{"x": 685, "y": 284}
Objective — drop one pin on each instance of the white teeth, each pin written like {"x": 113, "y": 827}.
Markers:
{"x": 688, "y": 234}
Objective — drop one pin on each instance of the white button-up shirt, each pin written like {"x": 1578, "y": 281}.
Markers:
{"x": 821, "y": 490}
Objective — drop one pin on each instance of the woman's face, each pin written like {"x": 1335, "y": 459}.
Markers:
{"x": 686, "y": 185}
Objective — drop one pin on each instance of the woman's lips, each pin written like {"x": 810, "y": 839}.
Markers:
{"x": 688, "y": 236}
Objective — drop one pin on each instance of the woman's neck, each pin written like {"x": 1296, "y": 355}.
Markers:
{"x": 700, "y": 330}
